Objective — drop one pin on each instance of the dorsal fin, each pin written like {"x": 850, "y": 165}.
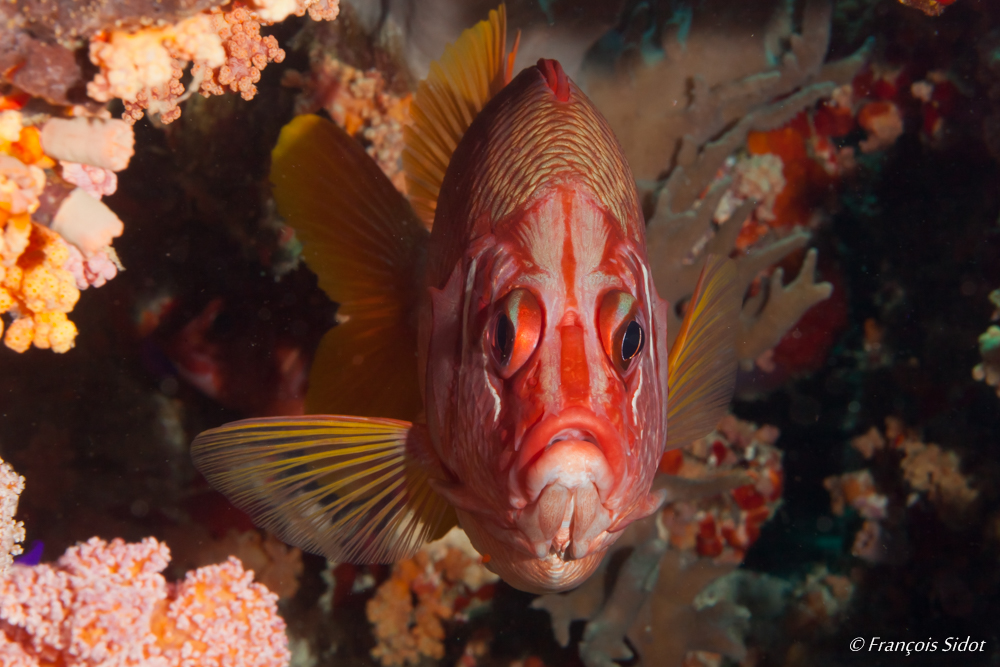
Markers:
{"x": 361, "y": 238}
{"x": 702, "y": 362}
{"x": 471, "y": 71}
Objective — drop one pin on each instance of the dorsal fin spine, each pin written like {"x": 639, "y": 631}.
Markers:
{"x": 469, "y": 73}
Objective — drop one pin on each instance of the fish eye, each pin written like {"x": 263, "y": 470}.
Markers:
{"x": 503, "y": 338}
{"x": 632, "y": 341}
{"x": 621, "y": 332}
{"x": 514, "y": 331}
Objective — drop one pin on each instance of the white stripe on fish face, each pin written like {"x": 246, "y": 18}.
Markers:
{"x": 470, "y": 282}
{"x": 564, "y": 243}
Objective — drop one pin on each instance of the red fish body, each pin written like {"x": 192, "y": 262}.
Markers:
{"x": 530, "y": 363}
{"x": 538, "y": 238}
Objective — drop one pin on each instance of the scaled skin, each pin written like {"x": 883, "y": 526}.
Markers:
{"x": 552, "y": 452}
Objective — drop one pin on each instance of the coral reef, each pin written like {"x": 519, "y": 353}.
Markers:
{"x": 57, "y": 233}
{"x": 443, "y": 578}
{"x": 141, "y": 52}
{"x": 691, "y": 143}
{"x": 360, "y": 101}
{"x": 11, "y": 531}
{"x": 888, "y": 168}
{"x": 926, "y": 471}
{"x": 107, "y": 601}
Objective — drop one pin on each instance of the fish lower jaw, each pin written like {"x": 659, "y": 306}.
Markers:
{"x": 572, "y": 464}
{"x": 565, "y": 522}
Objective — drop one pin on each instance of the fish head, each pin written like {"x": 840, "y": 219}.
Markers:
{"x": 546, "y": 370}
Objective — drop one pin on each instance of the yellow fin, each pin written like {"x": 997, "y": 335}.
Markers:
{"x": 471, "y": 71}
{"x": 349, "y": 488}
{"x": 702, "y": 362}
{"x": 361, "y": 238}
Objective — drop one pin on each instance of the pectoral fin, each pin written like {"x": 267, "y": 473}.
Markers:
{"x": 702, "y": 361}
{"x": 350, "y": 488}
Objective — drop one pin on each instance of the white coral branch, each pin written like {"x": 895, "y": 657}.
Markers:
{"x": 762, "y": 327}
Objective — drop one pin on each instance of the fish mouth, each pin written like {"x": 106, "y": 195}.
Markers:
{"x": 572, "y": 448}
{"x": 566, "y": 482}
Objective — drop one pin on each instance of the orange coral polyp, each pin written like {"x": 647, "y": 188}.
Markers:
{"x": 28, "y": 148}
{"x": 39, "y": 289}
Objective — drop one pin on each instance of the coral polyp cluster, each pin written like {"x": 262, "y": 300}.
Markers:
{"x": 11, "y": 531}
{"x": 56, "y": 233}
{"x": 222, "y": 47}
{"x": 408, "y": 609}
{"x": 725, "y": 526}
{"x": 108, "y": 602}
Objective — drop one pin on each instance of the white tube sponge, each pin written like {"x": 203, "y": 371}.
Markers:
{"x": 106, "y": 143}
{"x": 86, "y": 222}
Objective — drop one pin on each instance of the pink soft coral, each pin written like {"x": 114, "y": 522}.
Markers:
{"x": 247, "y": 53}
{"x": 104, "y": 604}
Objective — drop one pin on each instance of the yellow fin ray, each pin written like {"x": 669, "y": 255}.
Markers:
{"x": 471, "y": 71}
{"x": 362, "y": 239}
{"x": 348, "y": 488}
{"x": 702, "y": 362}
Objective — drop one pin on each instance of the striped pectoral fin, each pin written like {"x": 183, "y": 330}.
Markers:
{"x": 365, "y": 244}
{"x": 702, "y": 361}
{"x": 470, "y": 72}
{"x": 350, "y": 488}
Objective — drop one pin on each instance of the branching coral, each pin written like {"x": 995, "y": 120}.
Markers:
{"x": 651, "y": 602}
{"x": 690, "y": 137}
{"x": 770, "y": 313}
{"x": 437, "y": 579}
{"x": 107, "y": 602}
{"x": 11, "y": 531}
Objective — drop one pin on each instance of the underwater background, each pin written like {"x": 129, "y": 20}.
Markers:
{"x": 843, "y": 152}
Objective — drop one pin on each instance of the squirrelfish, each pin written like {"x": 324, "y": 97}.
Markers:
{"x": 508, "y": 369}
